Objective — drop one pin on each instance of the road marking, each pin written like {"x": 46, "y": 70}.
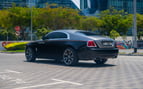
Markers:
{"x": 18, "y": 81}
{"x": 8, "y": 78}
{"x": 49, "y": 84}
{"x": 74, "y": 83}
{"x": 41, "y": 85}
{"x": 12, "y": 71}
{"x": 4, "y": 76}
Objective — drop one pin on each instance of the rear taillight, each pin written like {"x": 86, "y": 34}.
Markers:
{"x": 91, "y": 43}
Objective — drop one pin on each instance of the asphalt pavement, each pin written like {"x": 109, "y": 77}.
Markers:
{"x": 124, "y": 72}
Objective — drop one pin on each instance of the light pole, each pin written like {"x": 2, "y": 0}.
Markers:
{"x": 134, "y": 29}
{"x": 31, "y": 23}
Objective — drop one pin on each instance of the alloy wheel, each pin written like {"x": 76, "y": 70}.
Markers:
{"x": 69, "y": 57}
{"x": 30, "y": 55}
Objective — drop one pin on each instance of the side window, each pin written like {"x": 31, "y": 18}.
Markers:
{"x": 56, "y": 35}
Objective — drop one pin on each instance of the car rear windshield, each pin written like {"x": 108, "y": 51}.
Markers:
{"x": 87, "y": 33}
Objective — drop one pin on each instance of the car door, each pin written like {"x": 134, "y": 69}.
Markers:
{"x": 53, "y": 45}
{"x": 41, "y": 48}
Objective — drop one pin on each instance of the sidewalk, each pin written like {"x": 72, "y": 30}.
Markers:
{"x": 130, "y": 52}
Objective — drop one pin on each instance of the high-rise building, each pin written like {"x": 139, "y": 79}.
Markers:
{"x": 89, "y": 7}
{"x": 93, "y": 6}
{"x": 126, "y": 5}
{"x": 8, "y": 3}
{"x": 40, "y": 3}
{"x": 64, "y": 3}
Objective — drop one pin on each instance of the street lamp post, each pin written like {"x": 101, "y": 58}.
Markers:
{"x": 31, "y": 23}
{"x": 134, "y": 30}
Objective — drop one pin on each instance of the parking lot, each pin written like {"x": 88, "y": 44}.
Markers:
{"x": 125, "y": 72}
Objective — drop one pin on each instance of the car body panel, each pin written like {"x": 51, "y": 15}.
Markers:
{"x": 54, "y": 48}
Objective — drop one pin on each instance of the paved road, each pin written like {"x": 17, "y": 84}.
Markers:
{"x": 125, "y": 72}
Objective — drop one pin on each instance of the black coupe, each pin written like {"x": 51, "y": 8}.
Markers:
{"x": 70, "y": 46}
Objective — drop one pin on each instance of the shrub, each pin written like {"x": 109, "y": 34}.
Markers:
{"x": 16, "y": 46}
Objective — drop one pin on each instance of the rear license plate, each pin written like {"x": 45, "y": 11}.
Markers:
{"x": 107, "y": 43}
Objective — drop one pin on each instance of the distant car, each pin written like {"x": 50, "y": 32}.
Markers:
{"x": 70, "y": 46}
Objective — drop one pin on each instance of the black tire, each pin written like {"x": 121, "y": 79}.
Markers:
{"x": 30, "y": 54}
{"x": 70, "y": 57}
{"x": 100, "y": 60}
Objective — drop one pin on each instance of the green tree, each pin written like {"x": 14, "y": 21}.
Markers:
{"x": 59, "y": 18}
{"x": 90, "y": 23}
{"x": 3, "y": 34}
{"x": 114, "y": 34}
{"x": 41, "y": 32}
{"x": 20, "y": 16}
{"x": 6, "y": 33}
{"x": 114, "y": 19}
{"x": 5, "y": 19}
{"x": 139, "y": 26}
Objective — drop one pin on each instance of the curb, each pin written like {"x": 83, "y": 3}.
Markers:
{"x": 131, "y": 54}
{"x": 11, "y": 52}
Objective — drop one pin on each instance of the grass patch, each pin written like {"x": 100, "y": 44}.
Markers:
{"x": 13, "y": 51}
{"x": 122, "y": 53}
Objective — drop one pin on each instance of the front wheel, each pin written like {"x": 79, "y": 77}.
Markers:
{"x": 100, "y": 60}
{"x": 70, "y": 57}
{"x": 30, "y": 54}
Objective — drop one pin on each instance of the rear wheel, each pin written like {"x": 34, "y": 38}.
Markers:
{"x": 70, "y": 57}
{"x": 100, "y": 60}
{"x": 30, "y": 54}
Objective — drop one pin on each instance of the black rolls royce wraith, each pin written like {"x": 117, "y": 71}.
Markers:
{"x": 70, "y": 46}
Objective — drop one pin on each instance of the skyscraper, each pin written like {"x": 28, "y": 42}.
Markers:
{"x": 126, "y": 5}
{"x": 8, "y": 3}
{"x": 87, "y": 6}
{"x": 64, "y": 3}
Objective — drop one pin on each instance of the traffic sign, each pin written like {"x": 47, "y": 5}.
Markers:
{"x": 17, "y": 28}
{"x": 17, "y": 33}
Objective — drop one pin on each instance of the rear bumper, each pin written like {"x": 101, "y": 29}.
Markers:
{"x": 92, "y": 53}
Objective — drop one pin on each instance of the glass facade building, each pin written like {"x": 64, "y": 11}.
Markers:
{"x": 64, "y": 3}
{"x": 40, "y": 3}
{"x": 87, "y": 6}
{"x": 126, "y": 5}
{"x": 8, "y": 3}
{"x": 93, "y": 6}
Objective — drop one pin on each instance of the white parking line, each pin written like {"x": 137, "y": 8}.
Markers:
{"x": 74, "y": 83}
{"x": 18, "y": 81}
{"x": 49, "y": 84}
{"x": 41, "y": 85}
{"x": 12, "y": 71}
{"x": 4, "y": 76}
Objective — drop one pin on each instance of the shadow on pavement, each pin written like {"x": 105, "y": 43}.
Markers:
{"x": 80, "y": 64}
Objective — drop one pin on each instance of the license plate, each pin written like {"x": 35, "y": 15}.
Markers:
{"x": 107, "y": 43}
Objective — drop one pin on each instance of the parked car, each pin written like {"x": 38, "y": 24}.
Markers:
{"x": 70, "y": 46}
